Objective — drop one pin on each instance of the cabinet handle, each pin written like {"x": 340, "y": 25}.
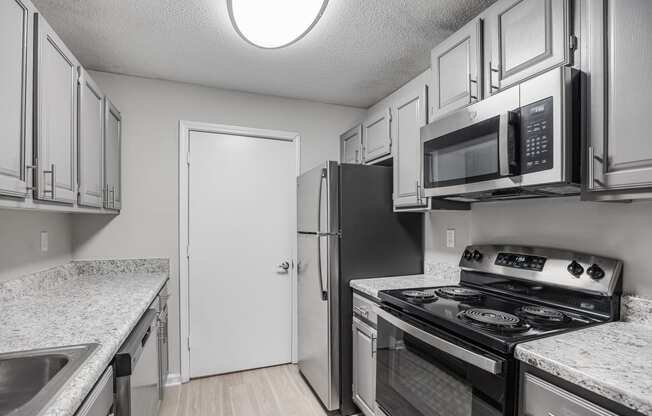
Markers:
{"x": 53, "y": 187}
{"x": 357, "y": 153}
{"x": 491, "y": 77}
{"x": 374, "y": 346}
{"x": 418, "y": 193}
{"x": 112, "y": 197}
{"x": 471, "y": 82}
{"x": 30, "y": 184}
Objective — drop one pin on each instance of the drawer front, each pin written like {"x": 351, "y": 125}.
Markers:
{"x": 99, "y": 401}
{"x": 540, "y": 398}
{"x": 364, "y": 308}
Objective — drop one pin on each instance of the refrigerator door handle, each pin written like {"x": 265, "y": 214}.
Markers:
{"x": 324, "y": 293}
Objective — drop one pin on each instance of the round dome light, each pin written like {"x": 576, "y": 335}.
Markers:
{"x": 274, "y": 24}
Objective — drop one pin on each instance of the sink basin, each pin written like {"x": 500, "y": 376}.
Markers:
{"x": 30, "y": 379}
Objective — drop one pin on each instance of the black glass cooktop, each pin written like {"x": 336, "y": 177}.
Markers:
{"x": 491, "y": 320}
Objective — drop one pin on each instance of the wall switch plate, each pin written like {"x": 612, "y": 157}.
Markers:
{"x": 44, "y": 242}
{"x": 450, "y": 238}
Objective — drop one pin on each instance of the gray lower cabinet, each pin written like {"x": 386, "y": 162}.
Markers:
{"x": 364, "y": 366}
{"x": 16, "y": 23}
{"x": 409, "y": 111}
{"x": 619, "y": 58}
{"x": 377, "y": 136}
{"x": 99, "y": 402}
{"x": 541, "y": 398}
{"x": 351, "y": 145}
{"x": 456, "y": 69}
{"x": 526, "y": 37}
{"x": 90, "y": 150}
{"x": 55, "y": 116}
{"x": 112, "y": 156}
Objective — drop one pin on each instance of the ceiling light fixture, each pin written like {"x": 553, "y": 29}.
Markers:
{"x": 272, "y": 24}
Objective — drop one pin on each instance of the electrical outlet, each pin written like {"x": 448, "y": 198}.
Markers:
{"x": 44, "y": 242}
{"x": 450, "y": 238}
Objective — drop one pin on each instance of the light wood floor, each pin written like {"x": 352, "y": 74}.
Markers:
{"x": 273, "y": 391}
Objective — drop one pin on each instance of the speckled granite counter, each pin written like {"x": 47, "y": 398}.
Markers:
{"x": 78, "y": 303}
{"x": 613, "y": 360}
{"x": 440, "y": 275}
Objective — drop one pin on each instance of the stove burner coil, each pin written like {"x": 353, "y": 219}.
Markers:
{"x": 420, "y": 295}
{"x": 457, "y": 292}
{"x": 493, "y": 320}
{"x": 542, "y": 314}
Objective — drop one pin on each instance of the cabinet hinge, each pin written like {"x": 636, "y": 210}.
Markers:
{"x": 572, "y": 42}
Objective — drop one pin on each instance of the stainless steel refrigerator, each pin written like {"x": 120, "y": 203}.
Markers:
{"x": 346, "y": 230}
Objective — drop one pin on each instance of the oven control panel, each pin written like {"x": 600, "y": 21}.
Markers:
{"x": 520, "y": 261}
{"x": 536, "y": 136}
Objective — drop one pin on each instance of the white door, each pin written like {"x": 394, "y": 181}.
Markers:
{"x": 242, "y": 221}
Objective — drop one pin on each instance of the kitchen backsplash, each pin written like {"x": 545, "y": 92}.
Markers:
{"x": 616, "y": 230}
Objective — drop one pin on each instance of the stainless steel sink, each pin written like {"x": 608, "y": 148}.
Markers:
{"x": 30, "y": 379}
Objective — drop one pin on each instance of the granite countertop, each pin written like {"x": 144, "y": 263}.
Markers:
{"x": 613, "y": 360}
{"x": 82, "y": 302}
{"x": 439, "y": 275}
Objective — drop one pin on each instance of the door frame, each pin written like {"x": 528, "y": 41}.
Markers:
{"x": 185, "y": 128}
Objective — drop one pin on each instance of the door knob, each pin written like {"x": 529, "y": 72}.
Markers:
{"x": 284, "y": 267}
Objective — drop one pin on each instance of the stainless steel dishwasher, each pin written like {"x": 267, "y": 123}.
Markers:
{"x": 136, "y": 367}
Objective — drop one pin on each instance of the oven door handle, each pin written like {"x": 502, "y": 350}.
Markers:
{"x": 506, "y": 158}
{"x": 478, "y": 360}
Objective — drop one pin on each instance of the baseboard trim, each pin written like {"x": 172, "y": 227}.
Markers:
{"x": 173, "y": 380}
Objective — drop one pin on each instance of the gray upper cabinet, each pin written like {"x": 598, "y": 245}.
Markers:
{"x": 456, "y": 69}
{"x": 525, "y": 37}
{"x": 56, "y": 116}
{"x": 112, "y": 156}
{"x": 15, "y": 95}
{"x": 619, "y": 58}
{"x": 364, "y": 366}
{"x": 351, "y": 145}
{"x": 377, "y": 136}
{"x": 409, "y": 111}
{"x": 90, "y": 142}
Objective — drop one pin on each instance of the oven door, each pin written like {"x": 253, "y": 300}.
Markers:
{"x": 426, "y": 373}
{"x": 471, "y": 149}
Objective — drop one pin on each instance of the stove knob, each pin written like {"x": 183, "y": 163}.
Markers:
{"x": 575, "y": 269}
{"x": 595, "y": 272}
{"x": 477, "y": 256}
{"x": 468, "y": 255}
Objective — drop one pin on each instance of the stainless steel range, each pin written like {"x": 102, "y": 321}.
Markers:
{"x": 449, "y": 351}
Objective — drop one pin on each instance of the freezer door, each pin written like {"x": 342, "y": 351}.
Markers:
{"x": 318, "y": 358}
{"x": 316, "y": 191}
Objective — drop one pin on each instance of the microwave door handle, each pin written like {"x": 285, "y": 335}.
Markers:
{"x": 503, "y": 144}
{"x": 478, "y": 360}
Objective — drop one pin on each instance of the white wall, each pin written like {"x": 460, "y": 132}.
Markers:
{"x": 623, "y": 231}
{"x": 151, "y": 111}
{"x": 20, "y": 242}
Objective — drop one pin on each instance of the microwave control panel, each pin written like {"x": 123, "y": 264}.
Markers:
{"x": 536, "y": 136}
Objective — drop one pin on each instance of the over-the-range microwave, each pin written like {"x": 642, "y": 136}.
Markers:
{"x": 522, "y": 142}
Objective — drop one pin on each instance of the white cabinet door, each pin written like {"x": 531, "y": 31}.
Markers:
{"x": 409, "y": 111}
{"x": 620, "y": 57}
{"x": 527, "y": 37}
{"x": 364, "y": 366}
{"x": 376, "y": 136}
{"x": 456, "y": 69}
{"x": 351, "y": 145}
{"x": 90, "y": 142}
{"x": 112, "y": 156}
{"x": 56, "y": 116}
{"x": 15, "y": 95}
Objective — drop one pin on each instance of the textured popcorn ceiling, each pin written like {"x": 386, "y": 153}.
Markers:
{"x": 359, "y": 52}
